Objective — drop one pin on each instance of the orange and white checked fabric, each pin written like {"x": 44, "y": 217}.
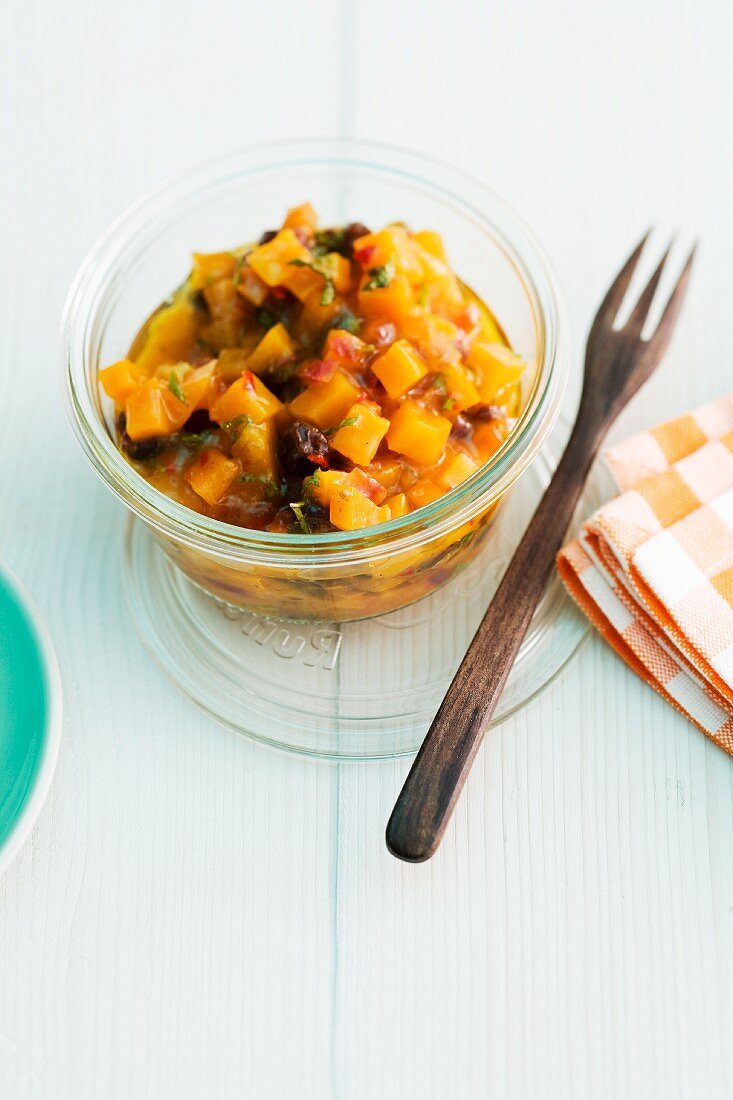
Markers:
{"x": 653, "y": 568}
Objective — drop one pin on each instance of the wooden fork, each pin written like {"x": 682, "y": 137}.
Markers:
{"x": 617, "y": 363}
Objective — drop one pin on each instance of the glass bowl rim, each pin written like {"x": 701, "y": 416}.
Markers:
{"x": 453, "y": 509}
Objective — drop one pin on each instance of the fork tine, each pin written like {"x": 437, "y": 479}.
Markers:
{"x": 657, "y": 343}
{"x": 638, "y": 315}
{"x": 609, "y": 307}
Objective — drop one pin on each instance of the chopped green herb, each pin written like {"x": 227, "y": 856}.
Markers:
{"x": 347, "y": 321}
{"x": 439, "y": 383}
{"x": 174, "y": 385}
{"x": 328, "y": 240}
{"x": 329, "y": 290}
{"x": 449, "y": 403}
{"x": 297, "y": 507}
{"x": 265, "y": 318}
{"x": 235, "y": 426}
{"x": 380, "y": 276}
{"x": 422, "y": 298}
{"x": 192, "y": 440}
{"x": 347, "y": 423}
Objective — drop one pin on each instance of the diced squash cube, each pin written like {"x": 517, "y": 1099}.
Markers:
{"x": 344, "y": 347}
{"x": 121, "y": 380}
{"x": 394, "y": 301}
{"x": 274, "y": 348}
{"x": 256, "y": 449}
{"x": 496, "y": 367}
{"x": 422, "y": 492}
{"x": 461, "y": 393}
{"x": 325, "y": 404}
{"x": 399, "y": 368}
{"x": 397, "y": 505}
{"x": 301, "y": 217}
{"x": 231, "y": 363}
{"x": 323, "y": 484}
{"x": 211, "y": 474}
{"x": 146, "y": 411}
{"x": 386, "y": 471}
{"x": 303, "y": 281}
{"x": 272, "y": 261}
{"x": 169, "y": 336}
{"x": 314, "y": 315}
{"x": 488, "y": 437}
{"x": 435, "y": 338}
{"x": 250, "y": 285}
{"x": 249, "y": 397}
{"x": 418, "y": 433}
{"x": 350, "y": 510}
{"x": 456, "y": 470}
{"x": 210, "y": 267}
{"x": 431, "y": 242}
{"x": 391, "y": 246}
{"x": 361, "y": 433}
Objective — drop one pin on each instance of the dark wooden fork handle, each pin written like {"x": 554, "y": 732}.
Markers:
{"x": 439, "y": 771}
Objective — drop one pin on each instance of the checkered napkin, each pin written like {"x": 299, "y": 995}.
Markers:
{"x": 653, "y": 568}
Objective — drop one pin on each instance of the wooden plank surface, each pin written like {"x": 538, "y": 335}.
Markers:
{"x": 196, "y": 917}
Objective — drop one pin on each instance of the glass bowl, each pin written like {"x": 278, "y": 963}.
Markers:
{"x": 337, "y": 576}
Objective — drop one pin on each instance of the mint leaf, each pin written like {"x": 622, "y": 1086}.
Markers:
{"x": 174, "y": 385}
{"x": 297, "y": 507}
{"x": 380, "y": 276}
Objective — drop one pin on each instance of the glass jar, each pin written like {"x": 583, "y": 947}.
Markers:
{"x": 336, "y": 576}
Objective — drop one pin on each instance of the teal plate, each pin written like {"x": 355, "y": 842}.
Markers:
{"x": 30, "y": 715}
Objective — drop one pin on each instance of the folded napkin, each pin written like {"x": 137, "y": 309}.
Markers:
{"x": 653, "y": 568}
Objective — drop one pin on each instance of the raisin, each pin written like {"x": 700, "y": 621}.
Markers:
{"x": 137, "y": 449}
{"x": 198, "y": 301}
{"x": 352, "y": 232}
{"x": 303, "y": 447}
{"x": 267, "y": 236}
{"x": 485, "y": 412}
{"x": 461, "y": 427}
{"x": 198, "y": 422}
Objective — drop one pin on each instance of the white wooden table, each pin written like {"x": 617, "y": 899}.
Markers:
{"x": 198, "y": 917}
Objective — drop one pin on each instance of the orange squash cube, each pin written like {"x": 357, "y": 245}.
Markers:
{"x": 322, "y": 485}
{"x": 432, "y": 243}
{"x": 386, "y": 471}
{"x": 256, "y": 449}
{"x": 399, "y": 368}
{"x": 391, "y": 246}
{"x": 488, "y": 437}
{"x": 249, "y": 397}
{"x": 121, "y": 380}
{"x": 394, "y": 301}
{"x": 496, "y": 367}
{"x": 250, "y": 285}
{"x": 211, "y": 267}
{"x": 315, "y": 315}
{"x": 456, "y": 470}
{"x": 146, "y": 411}
{"x": 169, "y": 336}
{"x": 273, "y": 261}
{"x": 435, "y": 338}
{"x": 350, "y": 510}
{"x": 345, "y": 348}
{"x": 422, "y": 492}
{"x": 301, "y": 217}
{"x": 211, "y": 474}
{"x": 325, "y": 404}
{"x": 397, "y": 505}
{"x": 461, "y": 393}
{"x": 360, "y": 435}
{"x": 418, "y": 433}
{"x": 274, "y": 349}
{"x": 232, "y": 362}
